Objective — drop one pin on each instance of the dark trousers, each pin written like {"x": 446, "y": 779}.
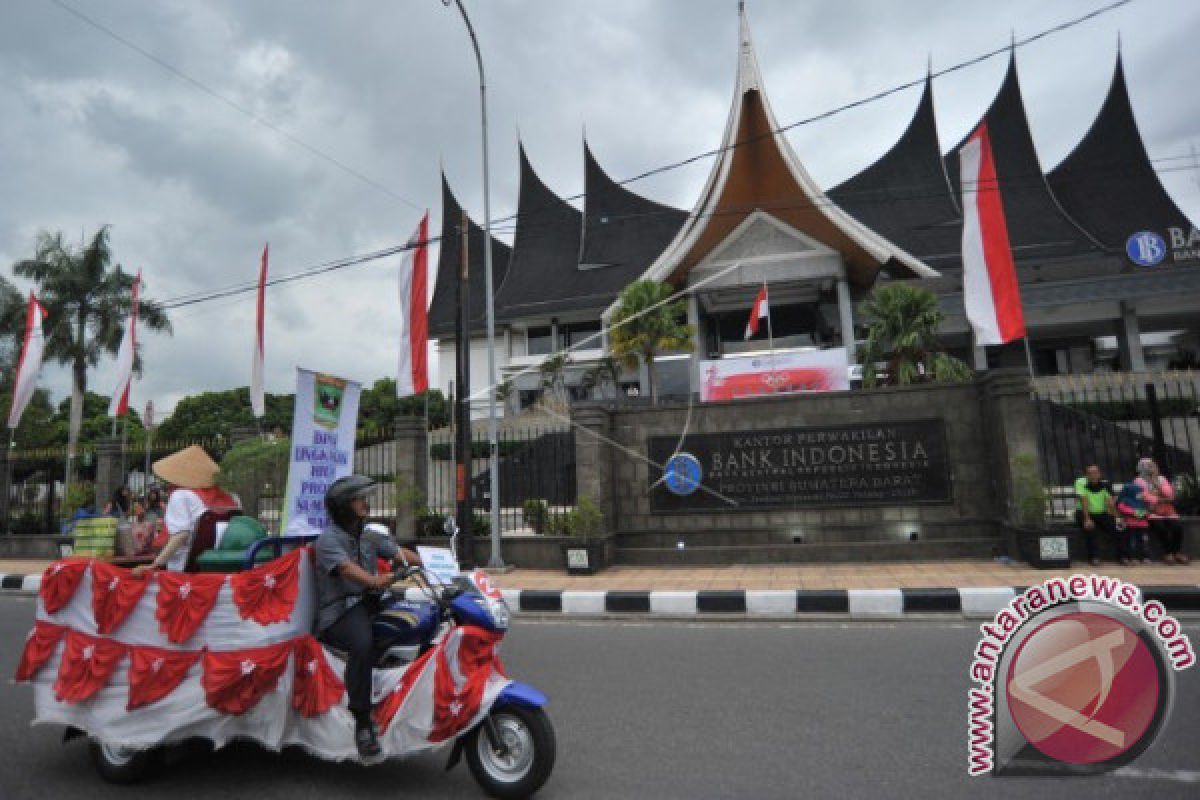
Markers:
{"x": 1169, "y": 533}
{"x": 1104, "y": 523}
{"x": 352, "y": 633}
{"x": 1131, "y": 543}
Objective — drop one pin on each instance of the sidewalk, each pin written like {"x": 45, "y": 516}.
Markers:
{"x": 890, "y": 575}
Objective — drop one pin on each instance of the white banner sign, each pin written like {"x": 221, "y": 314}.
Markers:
{"x": 439, "y": 563}
{"x": 778, "y": 373}
{"x": 322, "y": 447}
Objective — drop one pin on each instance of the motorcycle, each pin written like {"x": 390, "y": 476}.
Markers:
{"x": 510, "y": 750}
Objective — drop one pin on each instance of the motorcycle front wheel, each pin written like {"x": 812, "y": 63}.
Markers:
{"x": 523, "y": 761}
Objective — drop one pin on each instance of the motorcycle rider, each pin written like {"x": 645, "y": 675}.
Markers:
{"x": 346, "y": 556}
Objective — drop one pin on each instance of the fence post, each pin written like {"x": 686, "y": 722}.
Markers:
{"x": 108, "y": 469}
{"x": 1156, "y": 430}
{"x": 411, "y": 476}
{"x": 6, "y": 493}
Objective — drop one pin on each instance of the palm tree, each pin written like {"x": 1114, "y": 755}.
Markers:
{"x": 87, "y": 300}
{"x": 645, "y": 324}
{"x": 902, "y": 330}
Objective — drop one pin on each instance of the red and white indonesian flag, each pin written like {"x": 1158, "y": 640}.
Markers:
{"x": 30, "y": 363}
{"x": 759, "y": 311}
{"x": 125, "y": 355}
{"x": 413, "y": 374}
{"x": 991, "y": 296}
{"x": 258, "y": 402}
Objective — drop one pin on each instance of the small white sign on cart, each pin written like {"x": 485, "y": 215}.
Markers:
{"x": 439, "y": 562}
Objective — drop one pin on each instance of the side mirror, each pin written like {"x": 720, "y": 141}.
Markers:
{"x": 450, "y": 526}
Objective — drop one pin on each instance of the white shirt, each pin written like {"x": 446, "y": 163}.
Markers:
{"x": 184, "y": 509}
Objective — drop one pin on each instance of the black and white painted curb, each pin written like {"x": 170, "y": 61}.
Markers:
{"x": 857, "y": 603}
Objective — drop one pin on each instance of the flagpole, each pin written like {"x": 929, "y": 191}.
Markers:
{"x": 770, "y": 332}
{"x": 1029, "y": 357}
{"x": 7, "y": 499}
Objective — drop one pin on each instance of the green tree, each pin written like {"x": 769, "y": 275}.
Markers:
{"x": 87, "y": 299}
{"x": 12, "y": 332}
{"x": 210, "y": 414}
{"x": 902, "y": 332}
{"x": 97, "y": 424}
{"x": 645, "y": 324}
{"x": 379, "y": 407}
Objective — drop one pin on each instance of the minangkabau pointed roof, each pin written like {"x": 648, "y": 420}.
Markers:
{"x": 906, "y": 195}
{"x": 620, "y": 228}
{"x": 1039, "y": 230}
{"x": 442, "y": 310}
{"x": 1107, "y": 183}
{"x": 545, "y": 249}
{"x": 757, "y": 170}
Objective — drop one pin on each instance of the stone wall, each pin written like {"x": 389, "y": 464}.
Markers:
{"x": 987, "y": 424}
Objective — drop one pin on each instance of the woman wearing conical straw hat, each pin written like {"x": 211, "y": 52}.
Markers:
{"x": 192, "y": 476}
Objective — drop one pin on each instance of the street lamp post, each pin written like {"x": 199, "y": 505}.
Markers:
{"x": 495, "y": 559}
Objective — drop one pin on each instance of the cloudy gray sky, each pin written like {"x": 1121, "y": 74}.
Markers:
{"x": 93, "y": 133}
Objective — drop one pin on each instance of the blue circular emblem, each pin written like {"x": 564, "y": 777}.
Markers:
{"x": 1146, "y": 248}
{"x": 682, "y": 474}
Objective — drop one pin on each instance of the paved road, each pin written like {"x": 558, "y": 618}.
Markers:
{"x": 657, "y": 709}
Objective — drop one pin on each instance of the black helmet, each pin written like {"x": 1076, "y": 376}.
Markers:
{"x": 340, "y": 493}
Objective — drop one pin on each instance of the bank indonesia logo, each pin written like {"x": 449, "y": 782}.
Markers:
{"x": 682, "y": 474}
{"x": 1146, "y": 249}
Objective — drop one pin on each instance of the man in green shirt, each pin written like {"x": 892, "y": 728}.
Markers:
{"x": 1096, "y": 509}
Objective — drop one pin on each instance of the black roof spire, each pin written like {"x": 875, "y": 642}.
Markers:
{"x": 621, "y": 228}
{"x": 1107, "y": 182}
{"x": 1038, "y": 228}
{"x": 442, "y": 310}
{"x": 905, "y": 195}
{"x": 545, "y": 248}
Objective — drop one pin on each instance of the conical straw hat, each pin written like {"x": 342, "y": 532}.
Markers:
{"x": 190, "y": 468}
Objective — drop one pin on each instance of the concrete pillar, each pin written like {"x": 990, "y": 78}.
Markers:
{"x": 979, "y": 356}
{"x": 846, "y": 318}
{"x": 412, "y": 474}
{"x": 1011, "y": 436}
{"x": 698, "y": 354}
{"x": 1129, "y": 340}
{"x": 109, "y": 474}
{"x": 594, "y": 459}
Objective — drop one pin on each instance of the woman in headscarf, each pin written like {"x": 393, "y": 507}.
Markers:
{"x": 1164, "y": 519}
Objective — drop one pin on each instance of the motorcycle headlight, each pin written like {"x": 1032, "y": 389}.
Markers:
{"x": 500, "y": 614}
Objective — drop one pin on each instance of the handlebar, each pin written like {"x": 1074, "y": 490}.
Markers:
{"x": 275, "y": 543}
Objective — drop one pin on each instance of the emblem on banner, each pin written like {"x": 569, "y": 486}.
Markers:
{"x": 327, "y": 405}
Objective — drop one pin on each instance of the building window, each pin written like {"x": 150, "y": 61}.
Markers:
{"x": 579, "y": 334}
{"x": 539, "y": 341}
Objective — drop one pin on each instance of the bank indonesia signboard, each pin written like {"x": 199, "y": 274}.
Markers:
{"x": 888, "y": 463}
{"x": 1149, "y": 248}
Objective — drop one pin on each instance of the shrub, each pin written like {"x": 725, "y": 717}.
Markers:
{"x": 251, "y": 466}
{"x": 535, "y": 513}
{"x": 81, "y": 494}
{"x": 1028, "y": 494}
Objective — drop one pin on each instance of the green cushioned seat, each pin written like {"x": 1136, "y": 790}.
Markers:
{"x": 240, "y": 533}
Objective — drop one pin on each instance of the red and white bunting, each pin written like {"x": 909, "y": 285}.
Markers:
{"x": 758, "y": 312}
{"x": 125, "y": 357}
{"x": 991, "y": 295}
{"x": 258, "y": 401}
{"x": 30, "y": 363}
{"x": 412, "y": 377}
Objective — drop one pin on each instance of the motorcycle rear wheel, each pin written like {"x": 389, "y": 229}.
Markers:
{"x": 122, "y": 765}
{"x": 528, "y": 735}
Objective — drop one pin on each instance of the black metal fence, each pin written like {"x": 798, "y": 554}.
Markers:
{"x": 1114, "y": 419}
{"x": 536, "y": 463}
